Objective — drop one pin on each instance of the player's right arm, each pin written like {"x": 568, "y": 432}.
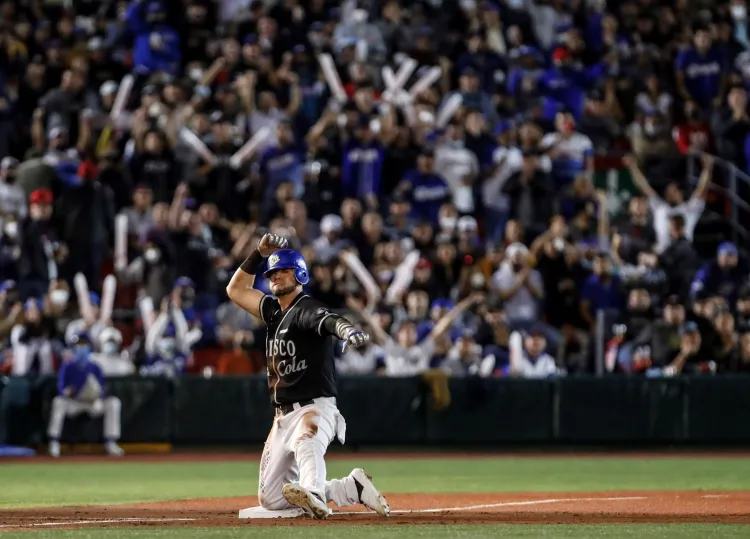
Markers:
{"x": 240, "y": 288}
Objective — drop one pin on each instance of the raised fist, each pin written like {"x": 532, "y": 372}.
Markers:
{"x": 270, "y": 243}
{"x": 356, "y": 339}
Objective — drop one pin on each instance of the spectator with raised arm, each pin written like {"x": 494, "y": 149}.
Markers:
{"x": 674, "y": 201}
{"x": 403, "y": 355}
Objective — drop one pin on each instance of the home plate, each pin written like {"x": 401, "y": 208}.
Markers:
{"x": 259, "y": 512}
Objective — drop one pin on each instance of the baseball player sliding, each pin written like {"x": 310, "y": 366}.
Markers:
{"x": 302, "y": 382}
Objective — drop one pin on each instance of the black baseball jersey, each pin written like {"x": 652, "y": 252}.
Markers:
{"x": 299, "y": 351}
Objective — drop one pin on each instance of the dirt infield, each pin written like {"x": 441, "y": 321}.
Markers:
{"x": 523, "y": 508}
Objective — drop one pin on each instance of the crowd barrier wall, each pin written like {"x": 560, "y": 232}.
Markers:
{"x": 399, "y": 411}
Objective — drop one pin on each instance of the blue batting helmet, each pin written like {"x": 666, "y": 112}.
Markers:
{"x": 288, "y": 259}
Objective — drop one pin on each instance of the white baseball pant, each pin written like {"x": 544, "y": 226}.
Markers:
{"x": 295, "y": 453}
{"x": 63, "y": 407}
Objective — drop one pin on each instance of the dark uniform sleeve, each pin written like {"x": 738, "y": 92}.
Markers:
{"x": 318, "y": 318}
{"x": 312, "y": 316}
{"x": 268, "y": 307}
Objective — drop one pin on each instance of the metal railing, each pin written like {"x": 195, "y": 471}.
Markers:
{"x": 728, "y": 179}
{"x": 729, "y": 182}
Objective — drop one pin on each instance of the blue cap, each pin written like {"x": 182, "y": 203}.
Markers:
{"x": 80, "y": 337}
{"x": 502, "y": 127}
{"x": 347, "y": 42}
{"x": 250, "y": 39}
{"x": 7, "y": 285}
{"x": 727, "y": 248}
{"x": 689, "y": 327}
{"x": 469, "y": 70}
{"x": 94, "y": 298}
{"x": 34, "y": 302}
{"x": 442, "y": 303}
{"x": 527, "y": 50}
{"x": 184, "y": 282}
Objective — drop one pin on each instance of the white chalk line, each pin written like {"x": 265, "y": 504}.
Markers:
{"x": 715, "y": 496}
{"x": 508, "y": 504}
{"x": 96, "y": 522}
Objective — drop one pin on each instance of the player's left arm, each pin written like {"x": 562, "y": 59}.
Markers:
{"x": 320, "y": 319}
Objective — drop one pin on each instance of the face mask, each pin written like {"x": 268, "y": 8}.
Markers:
{"x": 59, "y": 298}
{"x": 152, "y": 256}
{"x": 448, "y": 223}
{"x": 110, "y": 348}
{"x": 82, "y": 351}
{"x": 195, "y": 74}
{"x": 11, "y": 230}
{"x": 739, "y": 13}
{"x": 477, "y": 280}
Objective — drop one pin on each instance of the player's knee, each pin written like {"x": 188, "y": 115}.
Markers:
{"x": 305, "y": 446}
{"x": 307, "y": 431}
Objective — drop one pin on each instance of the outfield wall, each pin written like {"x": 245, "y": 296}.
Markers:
{"x": 399, "y": 411}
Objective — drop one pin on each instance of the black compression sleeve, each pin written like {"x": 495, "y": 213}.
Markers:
{"x": 338, "y": 326}
{"x": 252, "y": 263}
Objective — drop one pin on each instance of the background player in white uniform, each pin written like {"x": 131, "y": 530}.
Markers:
{"x": 302, "y": 382}
{"x": 81, "y": 390}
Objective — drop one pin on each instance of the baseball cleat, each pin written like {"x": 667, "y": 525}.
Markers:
{"x": 54, "y": 449}
{"x": 369, "y": 496}
{"x": 306, "y": 500}
{"x": 113, "y": 449}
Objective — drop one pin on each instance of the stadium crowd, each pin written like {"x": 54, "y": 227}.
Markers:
{"x": 442, "y": 191}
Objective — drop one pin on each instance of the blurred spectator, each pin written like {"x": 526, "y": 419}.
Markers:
{"x": 694, "y": 135}
{"x": 528, "y": 358}
{"x": 602, "y": 290}
{"x": 674, "y": 202}
{"x": 111, "y": 358}
{"x": 724, "y": 276}
{"x": 465, "y": 358}
{"x": 503, "y": 167}
{"x": 679, "y": 260}
{"x": 662, "y": 337}
{"x": 32, "y": 341}
{"x": 12, "y": 198}
{"x": 156, "y": 44}
{"x": 571, "y": 152}
{"x": 167, "y": 346}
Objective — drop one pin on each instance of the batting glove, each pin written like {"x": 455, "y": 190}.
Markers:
{"x": 271, "y": 242}
{"x": 356, "y": 339}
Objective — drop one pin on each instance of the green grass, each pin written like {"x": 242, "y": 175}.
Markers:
{"x": 44, "y": 484}
{"x": 636, "y": 531}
